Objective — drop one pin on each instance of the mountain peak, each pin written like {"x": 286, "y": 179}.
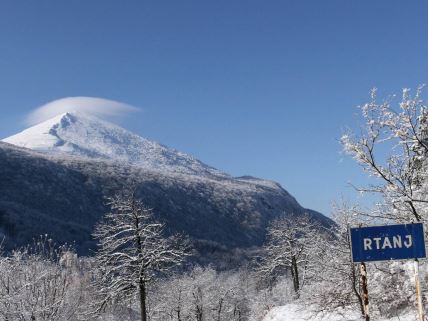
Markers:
{"x": 85, "y": 135}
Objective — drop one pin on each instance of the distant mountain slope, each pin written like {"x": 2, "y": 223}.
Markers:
{"x": 64, "y": 197}
{"x": 85, "y": 135}
{"x": 59, "y": 187}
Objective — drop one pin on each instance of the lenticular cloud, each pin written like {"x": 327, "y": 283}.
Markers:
{"x": 91, "y": 105}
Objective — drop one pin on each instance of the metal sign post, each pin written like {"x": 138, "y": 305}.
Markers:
{"x": 384, "y": 243}
{"x": 418, "y": 292}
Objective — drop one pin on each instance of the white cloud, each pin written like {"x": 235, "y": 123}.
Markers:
{"x": 95, "y": 106}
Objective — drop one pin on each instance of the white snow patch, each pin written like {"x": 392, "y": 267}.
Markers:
{"x": 296, "y": 312}
{"x": 38, "y": 138}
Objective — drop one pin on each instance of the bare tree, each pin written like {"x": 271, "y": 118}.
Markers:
{"x": 401, "y": 133}
{"x": 39, "y": 282}
{"x": 132, "y": 251}
{"x": 204, "y": 294}
{"x": 335, "y": 282}
{"x": 286, "y": 248}
{"x": 334, "y": 278}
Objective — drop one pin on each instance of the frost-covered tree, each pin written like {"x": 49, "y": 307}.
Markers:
{"x": 203, "y": 294}
{"x": 399, "y": 131}
{"x": 133, "y": 251}
{"x": 287, "y": 248}
{"x": 172, "y": 299}
{"x": 40, "y": 282}
{"x": 392, "y": 147}
{"x": 334, "y": 278}
{"x": 335, "y": 282}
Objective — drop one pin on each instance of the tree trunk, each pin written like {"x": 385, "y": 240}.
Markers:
{"x": 295, "y": 274}
{"x": 178, "y": 314}
{"x": 220, "y": 305}
{"x": 178, "y": 310}
{"x": 199, "y": 313}
{"x": 143, "y": 307}
{"x": 355, "y": 281}
{"x": 355, "y": 278}
{"x": 365, "y": 291}
{"x": 199, "y": 308}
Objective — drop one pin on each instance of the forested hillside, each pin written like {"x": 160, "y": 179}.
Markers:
{"x": 65, "y": 196}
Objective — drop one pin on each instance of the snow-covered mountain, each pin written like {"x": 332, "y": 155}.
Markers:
{"x": 88, "y": 136}
{"x": 44, "y": 190}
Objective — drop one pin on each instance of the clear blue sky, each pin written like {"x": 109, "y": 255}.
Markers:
{"x": 251, "y": 87}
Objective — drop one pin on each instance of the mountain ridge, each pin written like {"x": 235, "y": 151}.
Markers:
{"x": 88, "y": 136}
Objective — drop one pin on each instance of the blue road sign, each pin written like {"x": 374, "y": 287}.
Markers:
{"x": 389, "y": 242}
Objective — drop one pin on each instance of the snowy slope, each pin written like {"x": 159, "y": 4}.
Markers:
{"x": 295, "y": 312}
{"x": 85, "y": 135}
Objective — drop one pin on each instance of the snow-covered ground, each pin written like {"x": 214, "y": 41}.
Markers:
{"x": 294, "y": 312}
